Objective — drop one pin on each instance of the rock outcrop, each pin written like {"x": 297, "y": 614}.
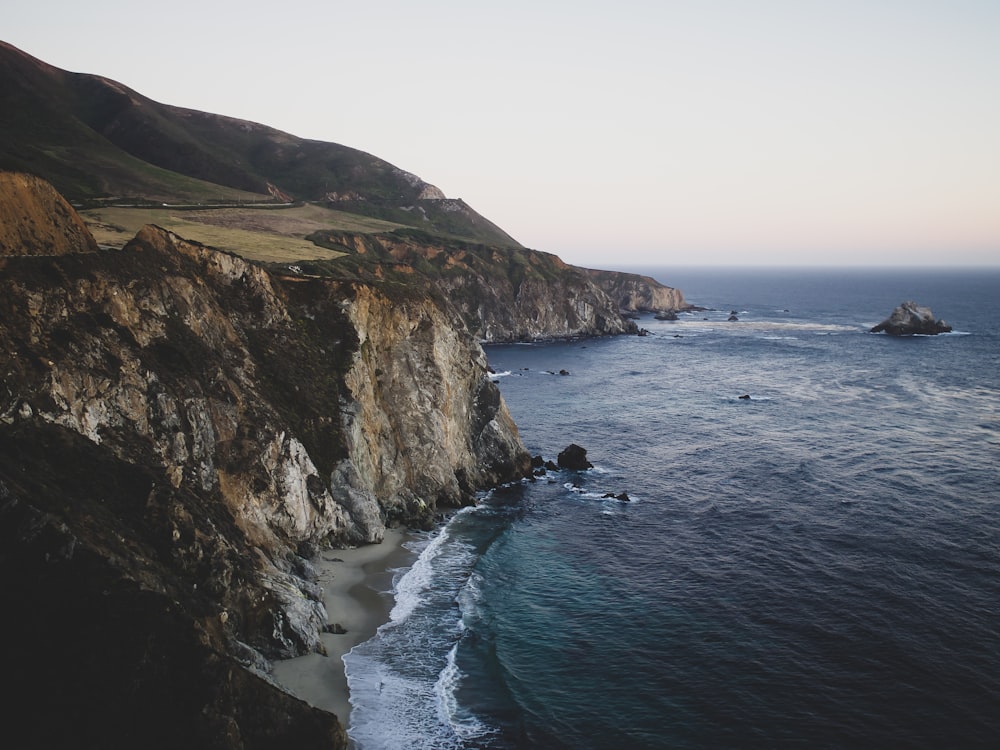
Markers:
{"x": 180, "y": 430}
{"x": 574, "y": 457}
{"x": 637, "y": 293}
{"x": 425, "y": 425}
{"x": 37, "y": 220}
{"x": 911, "y": 319}
{"x": 502, "y": 294}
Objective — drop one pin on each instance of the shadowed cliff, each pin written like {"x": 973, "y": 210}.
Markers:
{"x": 181, "y": 430}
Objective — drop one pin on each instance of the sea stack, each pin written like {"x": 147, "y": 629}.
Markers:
{"x": 574, "y": 457}
{"x": 909, "y": 319}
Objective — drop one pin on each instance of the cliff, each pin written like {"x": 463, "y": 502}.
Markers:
{"x": 502, "y": 294}
{"x": 636, "y": 293}
{"x": 181, "y": 430}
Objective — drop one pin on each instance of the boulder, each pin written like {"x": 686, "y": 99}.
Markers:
{"x": 574, "y": 457}
{"x": 909, "y": 319}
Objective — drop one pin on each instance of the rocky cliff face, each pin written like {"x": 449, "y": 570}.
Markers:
{"x": 181, "y": 430}
{"x": 425, "y": 426}
{"x": 635, "y": 293}
{"x": 507, "y": 294}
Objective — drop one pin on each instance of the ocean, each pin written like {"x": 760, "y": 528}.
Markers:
{"x": 815, "y": 566}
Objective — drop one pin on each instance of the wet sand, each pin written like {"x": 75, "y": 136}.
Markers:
{"x": 356, "y": 591}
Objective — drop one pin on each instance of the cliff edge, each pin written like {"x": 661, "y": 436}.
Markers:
{"x": 181, "y": 431}
{"x": 502, "y": 294}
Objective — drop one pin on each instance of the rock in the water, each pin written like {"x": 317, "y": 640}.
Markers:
{"x": 909, "y": 319}
{"x": 574, "y": 457}
{"x": 621, "y": 496}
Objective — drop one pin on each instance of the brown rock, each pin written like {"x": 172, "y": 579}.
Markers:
{"x": 36, "y": 220}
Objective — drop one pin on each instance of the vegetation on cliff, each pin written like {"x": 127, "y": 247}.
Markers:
{"x": 180, "y": 431}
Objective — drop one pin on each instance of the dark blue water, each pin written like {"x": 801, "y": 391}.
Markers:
{"x": 815, "y": 566}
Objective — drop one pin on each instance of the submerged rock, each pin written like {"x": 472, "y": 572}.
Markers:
{"x": 909, "y": 319}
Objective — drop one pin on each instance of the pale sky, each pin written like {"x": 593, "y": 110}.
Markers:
{"x": 610, "y": 132}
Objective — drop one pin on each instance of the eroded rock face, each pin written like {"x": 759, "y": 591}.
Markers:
{"x": 126, "y": 600}
{"x": 637, "y": 293}
{"x": 502, "y": 294}
{"x": 178, "y": 428}
{"x": 416, "y": 375}
{"x": 37, "y": 220}
{"x": 911, "y": 319}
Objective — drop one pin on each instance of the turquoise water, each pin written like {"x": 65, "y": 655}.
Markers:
{"x": 815, "y": 566}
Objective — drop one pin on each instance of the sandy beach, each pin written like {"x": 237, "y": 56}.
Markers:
{"x": 356, "y": 585}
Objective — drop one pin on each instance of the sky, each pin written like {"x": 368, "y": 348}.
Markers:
{"x": 609, "y": 132}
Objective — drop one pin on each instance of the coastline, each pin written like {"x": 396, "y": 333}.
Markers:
{"x": 355, "y": 584}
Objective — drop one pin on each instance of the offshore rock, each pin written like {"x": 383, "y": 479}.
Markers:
{"x": 574, "y": 457}
{"x": 911, "y": 319}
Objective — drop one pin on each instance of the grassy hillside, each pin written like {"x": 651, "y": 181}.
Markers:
{"x": 275, "y": 235}
{"x": 94, "y": 138}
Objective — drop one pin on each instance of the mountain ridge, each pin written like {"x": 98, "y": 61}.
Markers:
{"x": 92, "y": 137}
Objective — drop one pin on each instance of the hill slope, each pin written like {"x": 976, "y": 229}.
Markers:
{"x": 93, "y": 137}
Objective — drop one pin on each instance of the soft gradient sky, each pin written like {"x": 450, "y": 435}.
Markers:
{"x": 610, "y": 132}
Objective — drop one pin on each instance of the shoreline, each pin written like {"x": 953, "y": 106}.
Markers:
{"x": 356, "y": 593}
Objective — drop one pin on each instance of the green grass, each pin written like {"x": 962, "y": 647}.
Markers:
{"x": 266, "y": 235}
